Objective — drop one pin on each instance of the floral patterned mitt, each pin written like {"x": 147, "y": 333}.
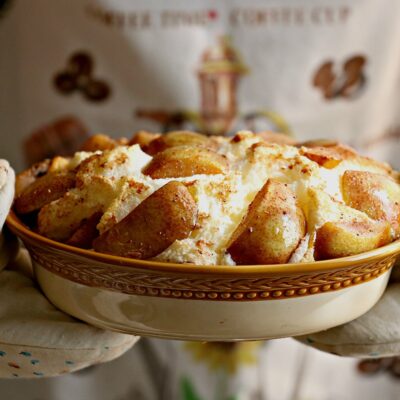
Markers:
{"x": 36, "y": 339}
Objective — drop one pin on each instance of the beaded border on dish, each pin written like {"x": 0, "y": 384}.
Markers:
{"x": 207, "y": 287}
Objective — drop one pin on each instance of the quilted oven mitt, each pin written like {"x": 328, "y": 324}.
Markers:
{"x": 36, "y": 339}
{"x": 374, "y": 334}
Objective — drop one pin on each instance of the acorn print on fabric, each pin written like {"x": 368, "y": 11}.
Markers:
{"x": 341, "y": 81}
{"x": 78, "y": 76}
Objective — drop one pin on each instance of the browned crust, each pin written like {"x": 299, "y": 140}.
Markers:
{"x": 341, "y": 239}
{"x": 179, "y": 138}
{"x": 272, "y": 228}
{"x": 328, "y": 156}
{"x": 167, "y": 215}
{"x": 99, "y": 142}
{"x": 375, "y": 194}
{"x": 143, "y": 139}
{"x": 43, "y": 191}
{"x": 83, "y": 237}
{"x": 184, "y": 161}
{"x": 27, "y": 177}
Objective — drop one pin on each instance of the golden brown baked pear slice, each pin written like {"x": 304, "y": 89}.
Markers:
{"x": 167, "y": 215}
{"x": 143, "y": 139}
{"x": 328, "y": 156}
{"x": 27, "y": 177}
{"x": 99, "y": 142}
{"x": 83, "y": 237}
{"x": 272, "y": 228}
{"x": 375, "y": 194}
{"x": 43, "y": 191}
{"x": 184, "y": 161}
{"x": 179, "y": 138}
{"x": 346, "y": 238}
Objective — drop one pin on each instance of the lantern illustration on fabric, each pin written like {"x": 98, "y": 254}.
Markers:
{"x": 220, "y": 69}
{"x": 219, "y": 75}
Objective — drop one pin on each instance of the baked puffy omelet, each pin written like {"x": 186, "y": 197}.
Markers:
{"x": 187, "y": 198}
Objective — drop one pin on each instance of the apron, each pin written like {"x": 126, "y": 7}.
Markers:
{"x": 310, "y": 69}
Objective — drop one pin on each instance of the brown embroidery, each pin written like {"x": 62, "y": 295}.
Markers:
{"x": 348, "y": 83}
{"x": 243, "y": 16}
{"x": 289, "y": 15}
{"x": 78, "y": 76}
{"x": 219, "y": 74}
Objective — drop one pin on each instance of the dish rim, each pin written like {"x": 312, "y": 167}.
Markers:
{"x": 22, "y": 231}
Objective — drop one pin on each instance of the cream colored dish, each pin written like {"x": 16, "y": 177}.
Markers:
{"x": 207, "y": 303}
{"x": 204, "y": 238}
